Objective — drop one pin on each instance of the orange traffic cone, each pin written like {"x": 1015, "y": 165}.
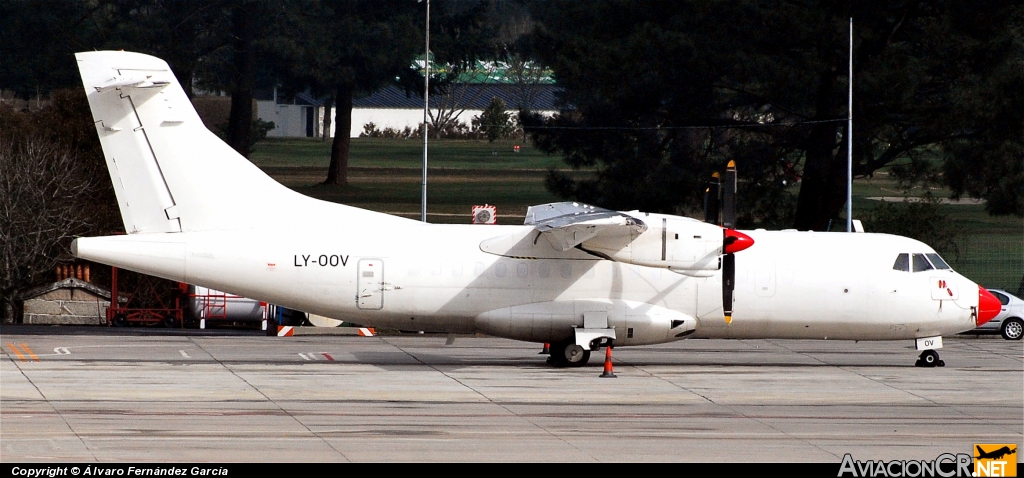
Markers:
{"x": 608, "y": 363}
{"x": 547, "y": 349}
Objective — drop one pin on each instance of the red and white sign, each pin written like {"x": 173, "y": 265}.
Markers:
{"x": 485, "y": 214}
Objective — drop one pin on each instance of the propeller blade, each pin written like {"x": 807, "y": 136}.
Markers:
{"x": 733, "y": 241}
{"x": 711, "y": 200}
{"x": 728, "y": 284}
{"x": 729, "y": 197}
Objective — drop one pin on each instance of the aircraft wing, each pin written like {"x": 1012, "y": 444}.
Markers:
{"x": 575, "y": 230}
{"x": 567, "y": 224}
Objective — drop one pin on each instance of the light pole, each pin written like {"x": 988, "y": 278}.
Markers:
{"x": 426, "y": 116}
{"x": 849, "y": 142}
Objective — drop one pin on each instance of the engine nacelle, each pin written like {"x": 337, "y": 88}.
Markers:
{"x": 681, "y": 244}
{"x": 635, "y": 323}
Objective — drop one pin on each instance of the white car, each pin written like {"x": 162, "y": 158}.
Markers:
{"x": 1010, "y": 321}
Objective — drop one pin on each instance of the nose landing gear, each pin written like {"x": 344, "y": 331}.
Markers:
{"x": 929, "y": 358}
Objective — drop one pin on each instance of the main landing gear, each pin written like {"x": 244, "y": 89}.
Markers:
{"x": 929, "y": 358}
{"x": 568, "y": 354}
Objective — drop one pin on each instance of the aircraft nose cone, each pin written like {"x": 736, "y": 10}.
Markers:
{"x": 736, "y": 241}
{"x": 988, "y": 306}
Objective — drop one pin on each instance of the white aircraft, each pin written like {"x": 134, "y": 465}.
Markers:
{"x": 575, "y": 276}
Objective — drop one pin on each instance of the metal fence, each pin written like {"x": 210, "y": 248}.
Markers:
{"x": 993, "y": 260}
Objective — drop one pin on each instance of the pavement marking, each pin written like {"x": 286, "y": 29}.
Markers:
{"x": 31, "y": 353}
{"x": 328, "y": 356}
{"x": 61, "y": 351}
{"x": 307, "y": 357}
{"x": 25, "y": 350}
{"x": 183, "y": 354}
{"x": 16, "y": 351}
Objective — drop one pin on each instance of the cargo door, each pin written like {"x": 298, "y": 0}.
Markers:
{"x": 370, "y": 284}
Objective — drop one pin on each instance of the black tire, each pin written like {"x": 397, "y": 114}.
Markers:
{"x": 119, "y": 321}
{"x": 1012, "y": 329}
{"x": 929, "y": 358}
{"x": 170, "y": 322}
{"x": 568, "y": 354}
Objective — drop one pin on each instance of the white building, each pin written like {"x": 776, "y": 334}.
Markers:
{"x": 391, "y": 107}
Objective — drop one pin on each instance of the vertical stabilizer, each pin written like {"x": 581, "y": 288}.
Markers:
{"x": 144, "y": 198}
{"x": 170, "y": 173}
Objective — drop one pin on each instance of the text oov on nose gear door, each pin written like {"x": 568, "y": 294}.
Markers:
{"x": 370, "y": 285}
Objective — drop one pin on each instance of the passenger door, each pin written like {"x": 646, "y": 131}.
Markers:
{"x": 370, "y": 284}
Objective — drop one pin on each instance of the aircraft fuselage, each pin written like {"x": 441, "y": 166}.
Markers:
{"x": 436, "y": 278}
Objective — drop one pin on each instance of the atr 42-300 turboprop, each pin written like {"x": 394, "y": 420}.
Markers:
{"x": 575, "y": 276}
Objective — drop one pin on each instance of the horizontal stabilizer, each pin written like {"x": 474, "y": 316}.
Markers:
{"x": 131, "y": 82}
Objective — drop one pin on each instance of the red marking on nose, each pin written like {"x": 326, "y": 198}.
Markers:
{"x": 736, "y": 241}
{"x": 988, "y": 306}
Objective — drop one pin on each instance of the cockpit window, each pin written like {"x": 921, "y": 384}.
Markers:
{"x": 937, "y": 261}
{"x": 921, "y": 263}
{"x": 902, "y": 263}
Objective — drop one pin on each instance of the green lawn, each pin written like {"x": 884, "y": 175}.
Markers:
{"x": 991, "y": 247}
{"x": 385, "y": 176}
{"x": 405, "y": 153}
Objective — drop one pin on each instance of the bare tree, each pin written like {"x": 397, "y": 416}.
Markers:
{"x": 44, "y": 204}
{"x": 526, "y": 76}
{"x": 463, "y": 88}
{"x": 458, "y": 96}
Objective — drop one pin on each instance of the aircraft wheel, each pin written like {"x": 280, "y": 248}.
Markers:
{"x": 1012, "y": 329}
{"x": 929, "y": 358}
{"x": 568, "y": 354}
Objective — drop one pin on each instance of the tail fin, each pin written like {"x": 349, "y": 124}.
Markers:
{"x": 170, "y": 173}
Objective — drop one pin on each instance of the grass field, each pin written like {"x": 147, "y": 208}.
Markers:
{"x": 406, "y": 153}
{"x": 991, "y": 247}
{"x": 385, "y": 176}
